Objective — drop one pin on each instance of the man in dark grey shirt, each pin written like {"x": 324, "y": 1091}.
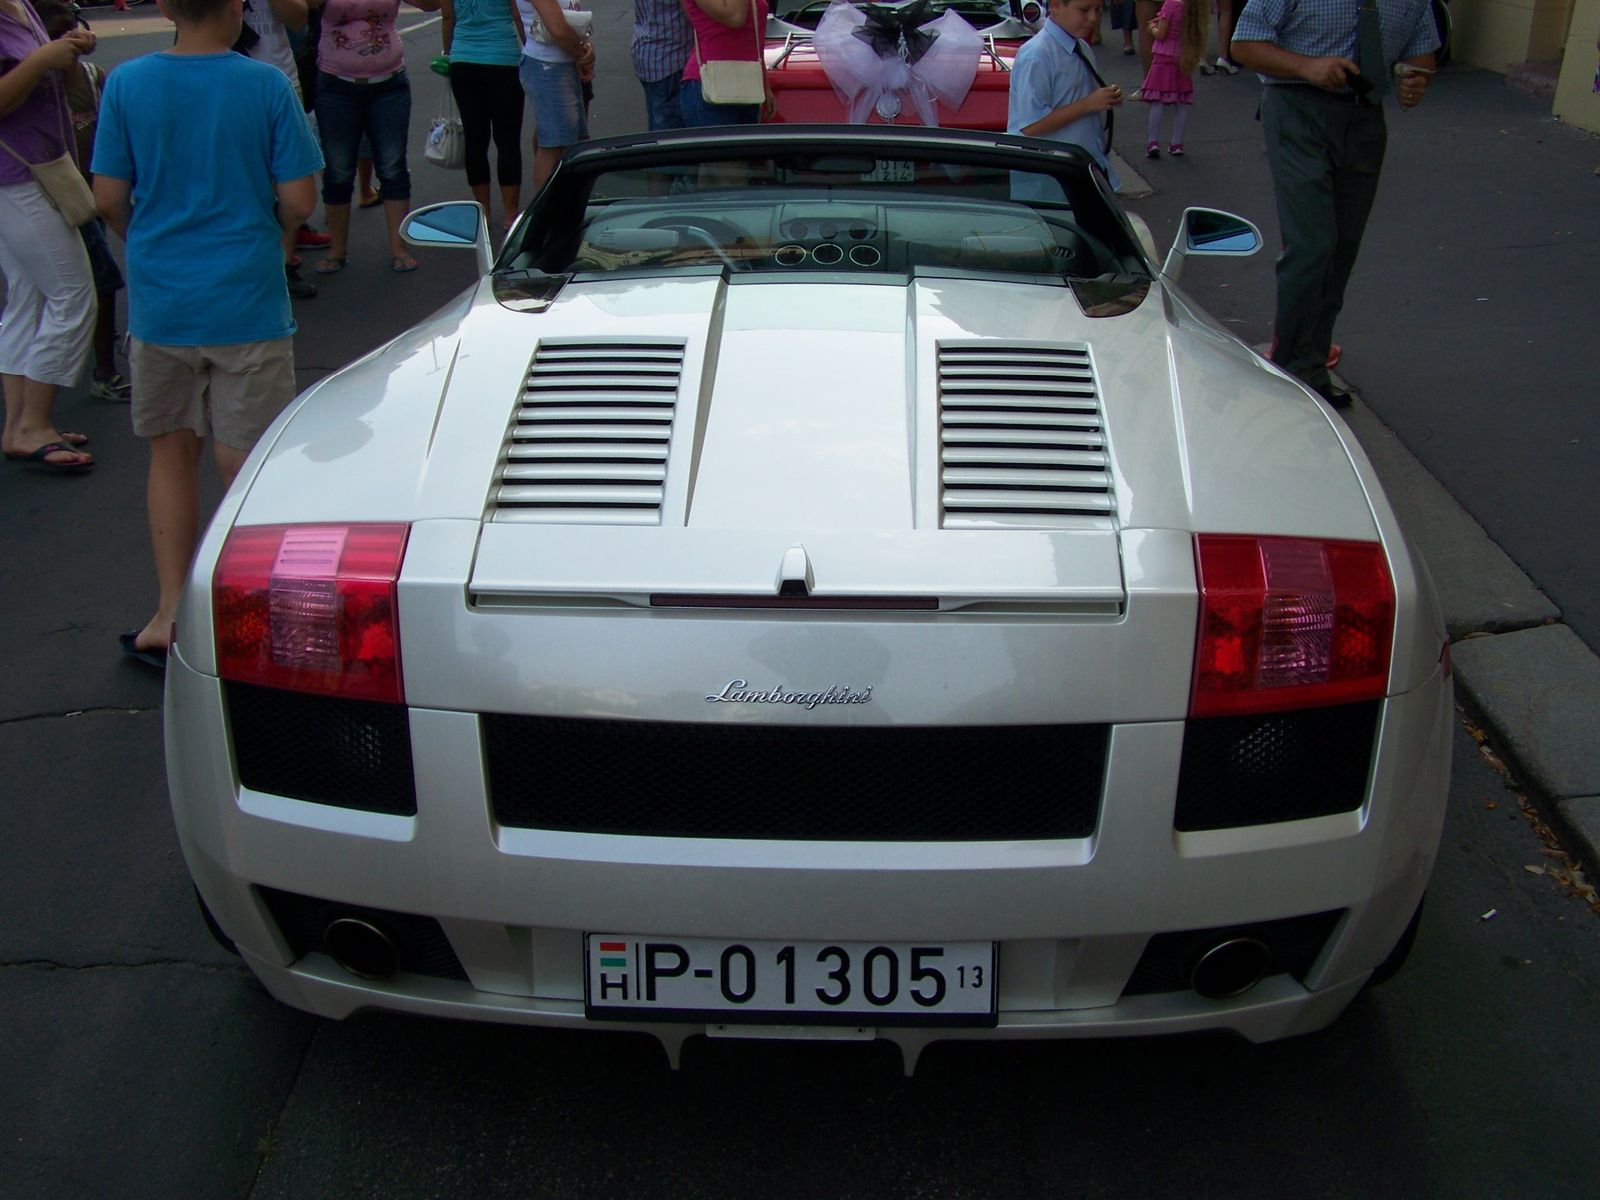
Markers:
{"x": 1327, "y": 64}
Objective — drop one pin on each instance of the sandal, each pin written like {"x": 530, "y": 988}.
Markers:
{"x": 403, "y": 263}
{"x": 41, "y": 457}
{"x": 330, "y": 265}
{"x": 151, "y": 656}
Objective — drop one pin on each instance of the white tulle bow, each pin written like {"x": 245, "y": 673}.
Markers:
{"x": 862, "y": 78}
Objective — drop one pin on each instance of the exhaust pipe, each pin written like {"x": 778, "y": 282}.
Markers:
{"x": 361, "y": 948}
{"x": 1231, "y": 968}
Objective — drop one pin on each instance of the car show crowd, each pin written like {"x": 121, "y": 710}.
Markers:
{"x": 320, "y": 87}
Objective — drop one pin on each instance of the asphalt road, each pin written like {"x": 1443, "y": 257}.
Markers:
{"x": 137, "y": 1059}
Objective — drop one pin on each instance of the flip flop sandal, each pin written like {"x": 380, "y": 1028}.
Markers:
{"x": 330, "y": 266}
{"x": 40, "y": 457}
{"x": 150, "y": 656}
{"x": 376, "y": 200}
{"x": 403, "y": 263}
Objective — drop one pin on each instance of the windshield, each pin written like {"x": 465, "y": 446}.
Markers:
{"x": 830, "y": 212}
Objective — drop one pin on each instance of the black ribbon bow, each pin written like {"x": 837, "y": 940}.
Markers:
{"x": 895, "y": 31}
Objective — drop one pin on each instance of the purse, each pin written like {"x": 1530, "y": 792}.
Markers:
{"x": 582, "y": 24}
{"x": 733, "y": 80}
{"x": 59, "y": 179}
{"x": 447, "y": 143}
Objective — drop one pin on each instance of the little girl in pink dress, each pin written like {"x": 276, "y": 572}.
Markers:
{"x": 1180, "y": 31}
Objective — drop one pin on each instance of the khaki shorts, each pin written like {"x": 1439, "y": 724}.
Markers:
{"x": 231, "y": 392}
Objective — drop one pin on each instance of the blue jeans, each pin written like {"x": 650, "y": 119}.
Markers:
{"x": 661, "y": 108}
{"x": 345, "y": 111}
{"x": 697, "y": 113}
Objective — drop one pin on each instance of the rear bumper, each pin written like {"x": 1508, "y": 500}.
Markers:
{"x": 1072, "y": 916}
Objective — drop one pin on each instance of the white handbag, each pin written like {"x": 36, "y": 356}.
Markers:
{"x": 732, "y": 80}
{"x": 582, "y": 24}
{"x": 447, "y": 143}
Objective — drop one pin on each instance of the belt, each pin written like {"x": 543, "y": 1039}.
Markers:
{"x": 371, "y": 79}
{"x": 1342, "y": 97}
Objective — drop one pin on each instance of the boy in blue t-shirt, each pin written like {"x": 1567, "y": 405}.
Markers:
{"x": 202, "y": 162}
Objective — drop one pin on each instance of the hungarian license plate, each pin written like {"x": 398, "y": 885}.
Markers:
{"x": 892, "y": 170}
{"x": 636, "y": 978}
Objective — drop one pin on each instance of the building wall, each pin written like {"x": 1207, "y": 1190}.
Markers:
{"x": 1576, "y": 101}
{"x": 1496, "y": 34}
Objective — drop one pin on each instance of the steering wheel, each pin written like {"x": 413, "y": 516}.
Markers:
{"x": 709, "y": 232}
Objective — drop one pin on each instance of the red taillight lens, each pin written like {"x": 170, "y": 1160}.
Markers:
{"x": 1290, "y": 623}
{"x": 311, "y": 608}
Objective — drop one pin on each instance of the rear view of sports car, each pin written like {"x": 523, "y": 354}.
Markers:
{"x": 822, "y": 581}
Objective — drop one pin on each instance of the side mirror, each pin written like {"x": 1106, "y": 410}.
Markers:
{"x": 458, "y": 223}
{"x": 1207, "y": 231}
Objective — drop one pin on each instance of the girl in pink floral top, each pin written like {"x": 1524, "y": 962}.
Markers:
{"x": 1179, "y": 30}
{"x": 362, "y": 89}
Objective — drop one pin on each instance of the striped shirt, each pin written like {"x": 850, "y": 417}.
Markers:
{"x": 1327, "y": 28}
{"x": 662, "y": 39}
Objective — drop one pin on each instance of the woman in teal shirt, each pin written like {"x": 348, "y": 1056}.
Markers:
{"x": 483, "y": 40}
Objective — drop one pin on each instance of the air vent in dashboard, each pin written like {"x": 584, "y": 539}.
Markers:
{"x": 1021, "y": 439}
{"x": 590, "y": 440}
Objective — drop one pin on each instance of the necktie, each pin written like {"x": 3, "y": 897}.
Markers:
{"x": 1111, "y": 120}
{"x": 1369, "y": 49}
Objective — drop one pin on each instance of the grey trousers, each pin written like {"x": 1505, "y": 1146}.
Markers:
{"x": 1325, "y": 155}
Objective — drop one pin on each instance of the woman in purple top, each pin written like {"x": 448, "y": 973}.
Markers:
{"x": 50, "y": 302}
{"x": 723, "y": 29}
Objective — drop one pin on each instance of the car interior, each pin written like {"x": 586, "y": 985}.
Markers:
{"x": 840, "y": 215}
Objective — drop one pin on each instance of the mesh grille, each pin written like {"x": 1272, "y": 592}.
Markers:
{"x": 1021, "y": 438}
{"x": 423, "y": 947}
{"x": 351, "y": 753}
{"x": 1258, "y": 770}
{"x": 590, "y": 441}
{"x": 1169, "y": 958}
{"x": 801, "y": 783}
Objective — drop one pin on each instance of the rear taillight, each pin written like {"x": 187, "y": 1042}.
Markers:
{"x": 311, "y": 608}
{"x": 1290, "y": 623}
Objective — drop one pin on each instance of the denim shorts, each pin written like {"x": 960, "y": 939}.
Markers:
{"x": 102, "y": 264}
{"x": 556, "y": 94}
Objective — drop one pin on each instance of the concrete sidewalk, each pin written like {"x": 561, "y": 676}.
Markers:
{"x": 1468, "y": 330}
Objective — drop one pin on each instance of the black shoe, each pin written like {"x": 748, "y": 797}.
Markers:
{"x": 1335, "y": 395}
{"x": 300, "y": 289}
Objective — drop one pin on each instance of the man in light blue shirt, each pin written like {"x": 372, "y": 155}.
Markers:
{"x": 1057, "y": 93}
{"x": 1327, "y": 65}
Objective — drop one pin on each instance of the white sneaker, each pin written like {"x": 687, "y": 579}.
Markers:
{"x": 115, "y": 389}
{"x": 1224, "y": 65}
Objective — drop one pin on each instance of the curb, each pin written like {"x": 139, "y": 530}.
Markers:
{"x": 1531, "y": 681}
{"x": 1134, "y": 186}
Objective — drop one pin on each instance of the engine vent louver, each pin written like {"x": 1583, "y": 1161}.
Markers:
{"x": 590, "y": 440}
{"x": 1021, "y": 439}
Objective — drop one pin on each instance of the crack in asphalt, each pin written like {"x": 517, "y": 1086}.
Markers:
{"x": 45, "y": 964}
{"x": 77, "y": 712}
{"x": 268, "y": 1144}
